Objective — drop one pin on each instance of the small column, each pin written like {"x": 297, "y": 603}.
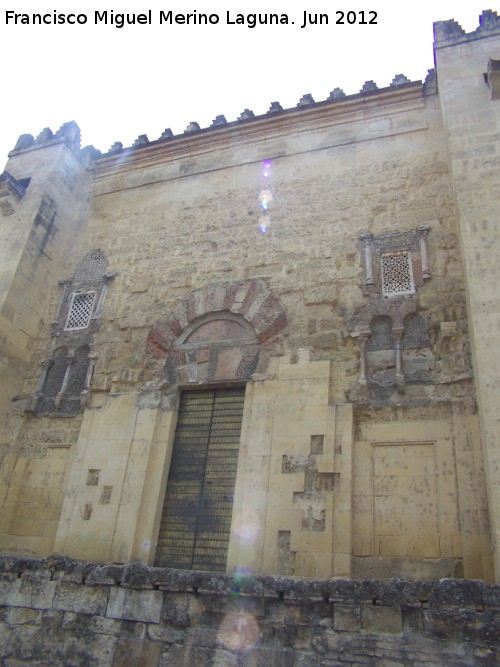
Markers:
{"x": 359, "y": 392}
{"x": 70, "y": 360}
{"x": 400, "y": 378}
{"x": 424, "y": 251}
{"x": 367, "y": 240}
{"x": 66, "y": 284}
{"x": 363, "y": 338}
{"x": 85, "y": 394}
{"x": 46, "y": 364}
{"x": 98, "y": 309}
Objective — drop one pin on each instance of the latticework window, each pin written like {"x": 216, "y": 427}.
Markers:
{"x": 397, "y": 274}
{"x": 80, "y": 310}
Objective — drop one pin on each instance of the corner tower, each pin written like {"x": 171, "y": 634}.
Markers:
{"x": 467, "y": 71}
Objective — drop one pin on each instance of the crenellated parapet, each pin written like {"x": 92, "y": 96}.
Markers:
{"x": 306, "y": 102}
{"x": 445, "y": 33}
{"x": 451, "y": 32}
{"x": 68, "y": 134}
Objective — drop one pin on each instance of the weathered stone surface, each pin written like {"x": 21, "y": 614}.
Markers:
{"x": 106, "y": 626}
{"x": 133, "y": 629}
{"x": 134, "y": 653}
{"x": 19, "y": 564}
{"x": 37, "y": 643}
{"x": 20, "y": 615}
{"x": 29, "y": 593}
{"x": 181, "y": 610}
{"x": 107, "y": 575}
{"x": 259, "y": 657}
{"x": 165, "y": 634}
{"x": 414, "y": 569}
{"x": 136, "y": 575}
{"x": 276, "y": 621}
{"x": 190, "y": 655}
{"x": 381, "y": 619}
{"x": 201, "y": 637}
{"x": 224, "y": 659}
{"x": 135, "y": 605}
{"x": 6, "y": 637}
{"x": 346, "y": 617}
{"x": 85, "y": 600}
{"x": 80, "y": 652}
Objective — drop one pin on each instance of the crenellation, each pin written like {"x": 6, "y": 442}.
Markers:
{"x": 305, "y": 100}
{"x": 88, "y": 156}
{"x": 448, "y": 33}
{"x": 71, "y": 137}
{"x": 337, "y": 94}
{"x": 115, "y": 148}
{"x": 192, "y": 127}
{"x": 219, "y": 120}
{"x": 246, "y": 114}
{"x": 68, "y": 133}
{"x": 44, "y": 137}
{"x": 275, "y": 107}
{"x": 24, "y": 141}
{"x": 167, "y": 134}
{"x": 142, "y": 140}
{"x": 399, "y": 80}
{"x": 369, "y": 87}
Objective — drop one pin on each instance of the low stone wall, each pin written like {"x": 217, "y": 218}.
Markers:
{"x": 58, "y": 612}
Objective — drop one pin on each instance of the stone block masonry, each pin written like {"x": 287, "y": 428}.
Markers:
{"x": 58, "y": 612}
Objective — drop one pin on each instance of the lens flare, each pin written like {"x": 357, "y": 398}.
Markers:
{"x": 248, "y": 528}
{"x": 265, "y": 196}
{"x": 264, "y": 222}
{"x": 238, "y": 631}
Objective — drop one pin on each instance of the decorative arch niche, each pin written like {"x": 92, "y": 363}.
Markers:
{"x": 216, "y": 334}
{"x": 217, "y": 346}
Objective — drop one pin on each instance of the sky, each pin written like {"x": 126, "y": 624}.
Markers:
{"x": 119, "y": 83}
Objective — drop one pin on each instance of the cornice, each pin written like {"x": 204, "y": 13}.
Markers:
{"x": 316, "y": 117}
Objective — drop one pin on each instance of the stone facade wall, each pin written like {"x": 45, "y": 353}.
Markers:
{"x": 314, "y": 255}
{"x": 57, "y": 612}
{"x": 180, "y": 252}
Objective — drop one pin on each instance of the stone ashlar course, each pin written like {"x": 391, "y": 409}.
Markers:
{"x": 59, "y": 612}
